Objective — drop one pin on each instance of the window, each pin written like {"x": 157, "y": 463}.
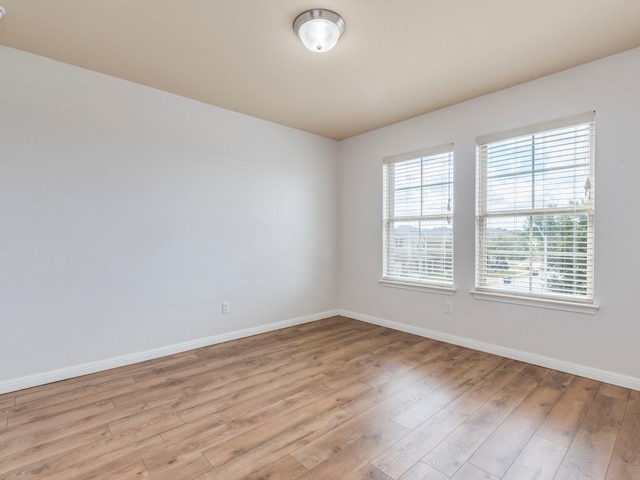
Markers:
{"x": 418, "y": 218}
{"x": 535, "y": 209}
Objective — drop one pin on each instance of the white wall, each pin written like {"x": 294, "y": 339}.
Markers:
{"x": 128, "y": 215}
{"x": 604, "y": 345}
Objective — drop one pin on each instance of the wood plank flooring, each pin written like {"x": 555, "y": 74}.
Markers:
{"x": 335, "y": 399}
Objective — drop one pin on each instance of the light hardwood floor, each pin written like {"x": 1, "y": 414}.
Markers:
{"x": 335, "y": 399}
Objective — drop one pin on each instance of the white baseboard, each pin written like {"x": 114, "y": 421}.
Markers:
{"x": 561, "y": 365}
{"x": 21, "y": 383}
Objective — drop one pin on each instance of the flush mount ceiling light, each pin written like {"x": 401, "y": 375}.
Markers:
{"x": 2, "y": 11}
{"x": 319, "y": 29}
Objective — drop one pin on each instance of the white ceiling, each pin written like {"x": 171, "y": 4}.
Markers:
{"x": 397, "y": 59}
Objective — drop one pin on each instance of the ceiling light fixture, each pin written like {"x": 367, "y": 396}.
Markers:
{"x": 319, "y": 29}
{"x": 2, "y": 11}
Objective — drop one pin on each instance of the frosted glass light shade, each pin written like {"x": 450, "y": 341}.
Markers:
{"x": 319, "y": 30}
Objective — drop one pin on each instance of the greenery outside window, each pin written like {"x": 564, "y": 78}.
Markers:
{"x": 418, "y": 218}
{"x": 535, "y": 211}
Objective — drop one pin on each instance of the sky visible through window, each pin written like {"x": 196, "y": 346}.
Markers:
{"x": 545, "y": 170}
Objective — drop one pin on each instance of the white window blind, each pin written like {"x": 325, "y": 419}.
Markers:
{"x": 418, "y": 217}
{"x": 535, "y": 210}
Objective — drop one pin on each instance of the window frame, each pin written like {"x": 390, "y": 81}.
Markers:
{"x": 388, "y": 219}
{"x": 483, "y": 291}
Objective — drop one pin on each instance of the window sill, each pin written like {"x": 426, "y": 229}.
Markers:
{"x": 576, "y": 307}
{"x": 419, "y": 287}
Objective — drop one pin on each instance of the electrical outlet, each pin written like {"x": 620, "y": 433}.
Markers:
{"x": 226, "y": 307}
{"x": 448, "y": 308}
